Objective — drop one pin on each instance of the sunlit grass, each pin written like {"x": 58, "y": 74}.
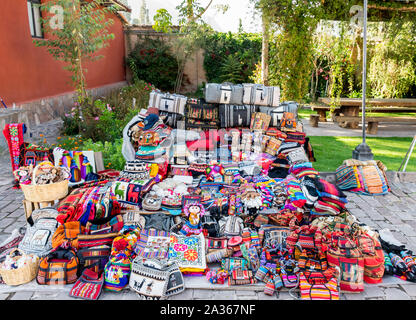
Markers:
{"x": 330, "y": 152}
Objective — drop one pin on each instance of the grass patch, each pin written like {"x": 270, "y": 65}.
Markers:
{"x": 330, "y": 152}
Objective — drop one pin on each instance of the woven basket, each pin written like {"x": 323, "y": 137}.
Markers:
{"x": 44, "y": 192}
{"x": 25, "y": 274}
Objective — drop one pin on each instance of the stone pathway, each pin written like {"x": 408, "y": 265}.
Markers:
{"x": 395, "y": 211}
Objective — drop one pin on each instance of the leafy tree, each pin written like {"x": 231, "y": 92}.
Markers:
{"x": 151, "y": 60}
{"x": 82, "y": 33}
{"x": 191, "y": 34}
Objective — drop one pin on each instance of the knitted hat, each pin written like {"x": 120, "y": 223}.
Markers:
{"x": 150, "y": 121}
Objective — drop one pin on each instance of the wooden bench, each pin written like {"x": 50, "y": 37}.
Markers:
{"x": 351, "y": 107}
{"x": 373, "y": 122}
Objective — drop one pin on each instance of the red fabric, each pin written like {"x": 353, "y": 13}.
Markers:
{"x": 14, "y": 142}
{"x": 203, "y": 144}
{"x": 331, "y": 201}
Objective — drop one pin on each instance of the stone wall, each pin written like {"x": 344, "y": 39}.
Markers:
{"x": 194, "y": 67}
{"x": 46, "y": 109}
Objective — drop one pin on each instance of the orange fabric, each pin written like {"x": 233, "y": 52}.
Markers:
{"x": 67, "y": 234}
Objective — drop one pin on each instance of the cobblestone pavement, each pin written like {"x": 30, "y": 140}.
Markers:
{"x": 395, "y": 211}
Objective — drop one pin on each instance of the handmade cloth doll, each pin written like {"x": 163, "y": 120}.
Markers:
{"x": 193, "y": 211}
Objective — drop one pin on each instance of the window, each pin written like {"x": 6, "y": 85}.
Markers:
{"x": 34, "y": 13}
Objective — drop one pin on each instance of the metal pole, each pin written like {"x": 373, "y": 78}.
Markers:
{"x": 363, "y": 151}
{"x": 364, "y": 67}
{"x": 412, "y": 146}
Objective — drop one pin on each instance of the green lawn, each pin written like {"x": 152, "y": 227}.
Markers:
{"x": 330, "y": 152}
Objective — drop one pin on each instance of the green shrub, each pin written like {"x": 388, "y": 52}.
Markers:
{"x": 104, "y": 118}
{"x": 111, "y": 151}
{"x": 243, "y": 47}
{"x": 152, "y": 61}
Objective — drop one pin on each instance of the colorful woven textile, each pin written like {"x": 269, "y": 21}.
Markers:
{"x": 374, "y": 181}
{"x": 59, "y": 267}
{"x": 13, "y": 133}
{"x": 311, "y": 290}
{"x": 88, "y": 286}
{"x": 188, "y": 252}
{"x": 94, "y": 258}
{"x": 114, "y": 225}
{"x": 365, "y": 177}
{"x": 88, "y": 241}
{"x": 116, "y": 275}
{"x": 153, "y": 244}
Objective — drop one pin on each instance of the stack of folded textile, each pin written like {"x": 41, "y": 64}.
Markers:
{"x": 331, "y": 200}
{"x": 301, "y": 170}
{"x": 296, "y": 198}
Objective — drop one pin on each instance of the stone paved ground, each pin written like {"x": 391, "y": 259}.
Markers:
{"x": 395, "y": 211}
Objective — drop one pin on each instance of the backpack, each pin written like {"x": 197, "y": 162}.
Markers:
{"x": 288, "y": 122}
{"x": 272, "y": 235}
{"x": 344, "y": 253}
{"x": 38, "y": 238}
{"x": 373, "y": 258}
{"x": 154, "y": 279}
{"x": 116, "y": 275}
{"x": 59, "y": 267}
{"x": 66, "y": 235}
{"x": 307, "y": 237}
{"x": 310, "y": 260}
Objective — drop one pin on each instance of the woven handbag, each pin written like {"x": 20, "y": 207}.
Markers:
{"x": 310, "y": 260}
{"x": 271, "y": 235}
{"x": 344, "y": 253}
{"x": 59, "y": 267}
{"x": 373, "y": 258}
{"x": 318, "y": 286}
{"x": 88, "y": 286}
{"x": 153, "y": 279}
{"x": 290, "y": 280}
{"x": 116, "y": 275}
{"x": 94, "y": 258}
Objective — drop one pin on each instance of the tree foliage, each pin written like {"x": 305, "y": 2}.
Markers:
{"x": 82, "y": 33}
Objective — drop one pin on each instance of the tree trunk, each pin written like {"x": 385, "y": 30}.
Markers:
{"x": 265, "y": 52}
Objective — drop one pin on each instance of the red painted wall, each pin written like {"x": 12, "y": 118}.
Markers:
{"x": 28, "y": 72}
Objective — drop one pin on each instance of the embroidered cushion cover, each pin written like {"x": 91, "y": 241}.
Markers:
{"x": 188, "y": 252}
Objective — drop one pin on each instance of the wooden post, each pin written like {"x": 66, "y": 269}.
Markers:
{"x": 372, "y": 127}
{"x": 314, "y": 120}
{"x": 322, "y": 115}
